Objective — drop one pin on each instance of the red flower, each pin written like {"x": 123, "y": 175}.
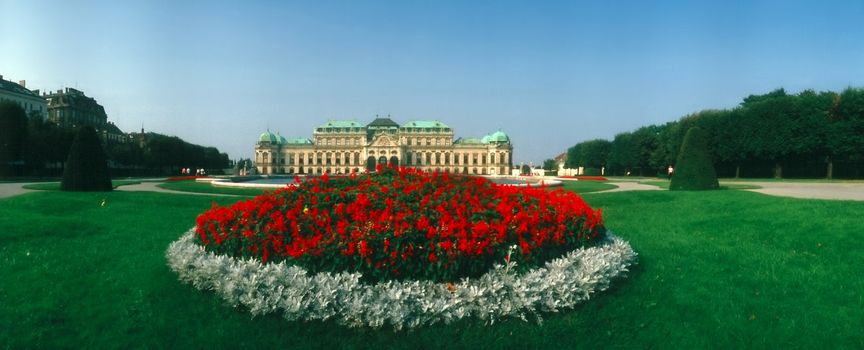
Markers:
{"x": 466, "y": 223}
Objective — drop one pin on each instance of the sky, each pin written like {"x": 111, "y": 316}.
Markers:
{"x": 550, "y": 74}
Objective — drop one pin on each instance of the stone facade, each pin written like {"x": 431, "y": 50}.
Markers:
{"x": 33, "y": 104}
{"x": 71, "y": 108}
{"x": 341, "y": 147}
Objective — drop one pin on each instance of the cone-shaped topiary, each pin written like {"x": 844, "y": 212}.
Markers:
{"x": 693, "y": 169}
{"x": 86, "y": 169}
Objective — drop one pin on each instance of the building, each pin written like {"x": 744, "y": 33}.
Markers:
{"x": 343, "y": 146}
{"x": 560, "y": 163}
{"x": 34, "y": 105}
{"x": 71, "y": 108}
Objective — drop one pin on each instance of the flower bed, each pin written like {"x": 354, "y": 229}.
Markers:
{"x": 403, "y": 224}
{"x": 404, "y": 248}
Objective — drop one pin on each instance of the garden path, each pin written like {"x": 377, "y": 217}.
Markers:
{"x": 815, "y": 190}
{"x": 14, "y": 189}
{"x": 151, "y": 187}
{"x": 806, "y": 190}
{"x": 629, "y": 186}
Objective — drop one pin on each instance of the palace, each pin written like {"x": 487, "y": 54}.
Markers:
{"x": 341, "y": 147}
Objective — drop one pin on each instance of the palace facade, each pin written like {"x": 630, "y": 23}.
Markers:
{"x": 344, "y": 146}
{"x": 33, "y": 104}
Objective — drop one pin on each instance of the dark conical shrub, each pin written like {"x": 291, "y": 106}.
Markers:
{"x": 86, "y": 168}
{"x": 693, "y": 169}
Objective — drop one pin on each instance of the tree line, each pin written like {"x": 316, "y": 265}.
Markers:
{"x": 805, "y": 135}
{"x": 34, "y": 147}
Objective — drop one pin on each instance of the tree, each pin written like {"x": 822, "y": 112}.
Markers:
{"x": 589, "y": 154}
{"x": 549, "y": 164}
{"x": 13, "y": 138}
{"x": 86, "y": 168}
{"x": 694, "y": 169}
{"x": 846, "y": 129}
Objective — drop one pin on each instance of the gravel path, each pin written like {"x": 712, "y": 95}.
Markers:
{"x": 629, "y": 186}
{"x": 151, "y": 187}
{"x": 807, "y": 190}
{"x": 14, "y": 189}
{"x": 815, "y": 190}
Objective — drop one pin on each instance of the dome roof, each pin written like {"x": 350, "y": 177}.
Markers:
{"x": 485, "y": 139}
{"x": 499, "y": 136}
{"x": 267, "y": 136}
{"x": 282, "y": 139}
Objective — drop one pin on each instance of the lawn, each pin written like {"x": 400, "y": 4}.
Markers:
{"x": 721, "y": 269}
{"x": 55, "y": 186}
{"x": 206, "y": 187}
{"x": 586, "y": 186}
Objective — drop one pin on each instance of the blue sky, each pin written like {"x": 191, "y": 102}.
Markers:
{"x": 550, "y": 74}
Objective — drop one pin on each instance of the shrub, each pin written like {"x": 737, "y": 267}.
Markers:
{"x": 86, "y": 168}
{"x": 592, "y": 172}
{"x": 694, "y": 169}
{"x": 403, "y": 224}
{"x": 13, "y": 131}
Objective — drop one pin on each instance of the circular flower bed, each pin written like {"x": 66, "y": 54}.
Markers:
{"x": 402, "y": 247}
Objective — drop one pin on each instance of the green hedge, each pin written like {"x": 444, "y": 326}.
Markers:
{"x": 86, "y": 168}
{"x": 694, "y": 169}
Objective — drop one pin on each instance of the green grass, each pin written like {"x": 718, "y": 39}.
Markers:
{"x": 717, "y": 269}
{"x": 55, "y": 186}
{"x": 205, "y": 187}
{"x": 586, "y": 186}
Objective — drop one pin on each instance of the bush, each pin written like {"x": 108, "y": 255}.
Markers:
{"x": 694, "y": 169}
{"x": 13, "y": 131}
{"x": 592, "y": 172}
{"x": 403, "y": 224}
{"x": 86, "y": 168}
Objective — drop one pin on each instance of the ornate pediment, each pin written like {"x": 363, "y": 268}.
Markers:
{"x": 384, "y": 141}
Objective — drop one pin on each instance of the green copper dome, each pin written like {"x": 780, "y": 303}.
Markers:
{"x": 267, "y": 136}
{"x": 282, "y": 139}
{"x": 498, "y": 137}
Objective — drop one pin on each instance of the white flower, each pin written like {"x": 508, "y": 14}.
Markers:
{"x": 500, "y": 293}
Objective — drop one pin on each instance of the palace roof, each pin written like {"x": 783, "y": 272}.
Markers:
{"x": 341, "y": 124}
{"x": 425, "y": 124}
{"x": 383, "y": 123}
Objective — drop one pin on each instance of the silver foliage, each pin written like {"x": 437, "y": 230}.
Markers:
{"x": 500, "y": 293}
